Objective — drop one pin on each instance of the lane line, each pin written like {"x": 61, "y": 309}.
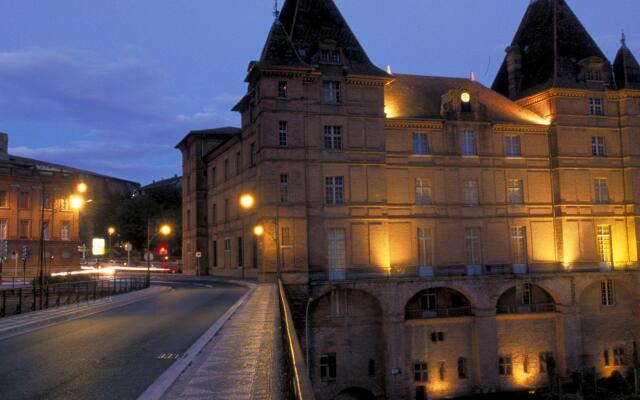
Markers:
{"x": 168, "y": 377}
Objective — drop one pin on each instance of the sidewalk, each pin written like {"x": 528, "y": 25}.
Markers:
{"x": 31, "y": 321}
{"x": 243, "y": 361}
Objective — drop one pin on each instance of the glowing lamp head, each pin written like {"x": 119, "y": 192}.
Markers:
{"x": 111, "y": 230}
{"x": 165, "y": 230}
{"x": 465, "y": 97}
{"x": 76, "y": 202}
{"x": 247, "y": 201}
{"x": 82, "y": 187}
{"x": 258, "y": 230}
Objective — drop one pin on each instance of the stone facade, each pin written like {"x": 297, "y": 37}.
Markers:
{"x": 437, "y": 237}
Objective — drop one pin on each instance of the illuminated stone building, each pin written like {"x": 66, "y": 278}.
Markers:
{"x": 447, "y": 237}
{"x": 27, "y": 187}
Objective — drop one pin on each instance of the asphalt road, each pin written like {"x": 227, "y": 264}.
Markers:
{"x": 116, "y": 354}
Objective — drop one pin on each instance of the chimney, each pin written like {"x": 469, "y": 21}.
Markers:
{"x": 4, "y": 146}
{"x": 514, "y": 70}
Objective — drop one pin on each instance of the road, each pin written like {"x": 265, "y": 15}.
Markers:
{"x": 116, "y": 354}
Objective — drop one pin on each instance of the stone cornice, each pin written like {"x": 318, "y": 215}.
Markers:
{"x": 554, "y": 92}
{"x": 521, "y": 128}
{"x": 413, "y": 124}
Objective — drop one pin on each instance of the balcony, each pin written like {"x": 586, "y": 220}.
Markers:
{"x": 526, "y": 309}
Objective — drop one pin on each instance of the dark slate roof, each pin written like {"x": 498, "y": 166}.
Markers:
{"x": 219, "y": 133}
{"x": 301, "y": 26}
{"x": 552, "y": 41}
{"x": 420, "y": 97}
{"x": 626, "y": 69}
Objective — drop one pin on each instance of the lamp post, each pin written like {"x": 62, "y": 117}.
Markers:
{"x": 111, "y": 232}
{"x": 247, "y": 202}
{"x": 165, "y": 230}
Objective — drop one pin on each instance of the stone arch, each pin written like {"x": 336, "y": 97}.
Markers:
{"x": 525, "y": 298}
{"x": 355, "y": 393}
{"x": 438, "y": 302}
{"x": 346, "y": 336}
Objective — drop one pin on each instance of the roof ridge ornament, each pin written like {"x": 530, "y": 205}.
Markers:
{"x": 623, "y": 40}
{"x": 276, "y": 12}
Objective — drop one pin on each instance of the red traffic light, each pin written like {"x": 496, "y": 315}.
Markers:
{"x": 163, "y": 249}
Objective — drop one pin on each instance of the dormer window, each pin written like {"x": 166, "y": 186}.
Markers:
{"x": 594, "y": 75}
{"x": 329, "y": 56}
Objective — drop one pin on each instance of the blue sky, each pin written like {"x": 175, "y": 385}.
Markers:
{"x": 111, "y": 86}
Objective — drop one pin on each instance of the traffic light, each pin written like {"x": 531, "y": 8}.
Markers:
{"x": 25, "y": 253}
{"x": 163, "y": 249}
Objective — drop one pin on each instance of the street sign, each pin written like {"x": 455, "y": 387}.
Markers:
{"x": 198, "y": 254}
{"x": 148, "y": 256}
{"x": 83, "y": 249}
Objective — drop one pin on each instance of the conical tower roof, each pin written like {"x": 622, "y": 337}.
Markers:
{"x": 626, "y": 68}
{"x": 552, "y": 42}
{"x": 302, "y": 26}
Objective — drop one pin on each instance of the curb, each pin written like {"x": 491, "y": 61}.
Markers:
{"x": 111, "y": 303}
{"x": 164, "y": 382}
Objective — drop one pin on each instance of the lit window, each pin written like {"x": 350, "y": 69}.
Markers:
{"x": 328, "y": 56}
{"x": 607, "y": 294}
{"x": 333, "y": 137}
{"x": 471, "y": 195}
{"x": 463, "y": 368}
{"x": 283, "y": 90}
{"x": 336, "y": 254}
{"x": 423, "y": 191}
{"x": 505, "y": 366}
{"x": 597, "y": 146}
{"x": 515, "y": 191}
{"x": 284, "y": 188}
{"x": 468, "y": 145}
{"x": 284, "y": 133}
{"x": 595, "y": 106}
{"x": 425, "y": 247}
{"x": 420, "y": 372}
{"x": 334, "y": 190}
{"x": 421, "y": 143}
{"x": 512, "y": 146}
{"x": 601, "y": 190}
{"x": 331, "y": 92}
{"x": 519, "y": 244}
{"x": 472, "y": 239}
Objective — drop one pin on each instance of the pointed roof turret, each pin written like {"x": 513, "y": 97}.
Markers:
{"x": 300, "y": 29}
{"x": 626, "y": 68}
{"x": 547, "y": 51}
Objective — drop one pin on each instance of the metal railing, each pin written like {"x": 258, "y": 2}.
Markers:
{"x": 451, "y": 312}
{"x": 25, "y": 299}
{"x": 527, "y": 308}
{"x": 298, "y": 385}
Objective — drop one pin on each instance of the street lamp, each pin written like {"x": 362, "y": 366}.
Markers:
{"x": 82, "y": 187}
{"x": 247, "y": 202}
{"x": 165, "y": 230}
{"x": 111, "y": 231}
{"x": 258, "y": 230}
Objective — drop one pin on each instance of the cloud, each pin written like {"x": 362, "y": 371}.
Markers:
{"x": 124, "y": 119}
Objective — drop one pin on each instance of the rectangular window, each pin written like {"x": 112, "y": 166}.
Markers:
{"x": 429, "y": 301}
{"x": 240, "y": 252}
{"x": 214, "y": 213}
{"x": 607, "y": 359}
{"x": 525, "y": 364}
{"x": 333, "y": 137}
{"x": 336, "y": 248}
{"x": 283, "y": 90}
{"x": 24, "y": 200}
{"x": 471, "y": 194}
{"x": 420, "y": 372}
{"x": 441, "y": 371}
{"x": 618, "y": 357}
{"x": 252, "y": 154}
{"x": 24, "y": 229}
{"x": 421, "y": 143}
{"x": 607, "y": 294}
{"x": 597, "y": 146}
{"x": 423, "y": 191}
{"x": 545, "y": 359}
{"x": 472, "y": 239}
{"x": 284, "y": 188}
{"x": 226, "y": 170}
{"x": 4, "y": 200}
{"x": 468, "y": 145}
{"x": 3, "y": 229}
{"x": 505, "y": 366}
{"x": 334, "y": 190}
{"x": 425, "y": 247}
{"x": 331, "y": 92}
{"x": 594, "y": 76}
{"x": 45, "y": 230}
{"x": 601, "y": 190}
{"x": 284, "y": 133}
{"x": 603, "y": 239}
{"x": 463, "y": 368}
{"x": 46, "y": 202}
{"x": 515, "y": 191}
{"x": 519, "y": 244}
{"x": 595, "y": 106}
{"x": 238, "y": 162}
{"x": 214, "y": 253}
{"x": 227, "y": 245}
{"x": 512, "y": 146}
{"x": 285, "y": 237}
{"x": 227, "y": 211}
{"x": 328, "y": 56}
{"x": 328, "y": 367}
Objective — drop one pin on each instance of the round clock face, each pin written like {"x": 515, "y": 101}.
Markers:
{"x": 465, "y": 97}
